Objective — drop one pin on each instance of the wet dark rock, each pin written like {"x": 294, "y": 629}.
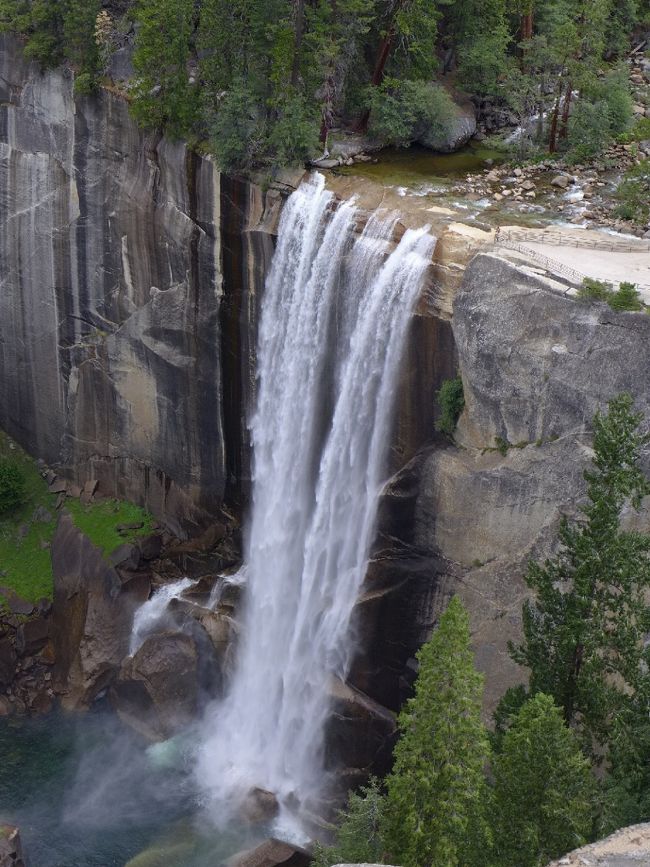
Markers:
{"x": 92, "y": 615}
{"x": 360, "y": 733}
{"x": 32, "y": 636}
{"x": 150, "y": 546}
{"x": 11, "y": 850}
{"x": 259, "y": 806}
{"x": 157, "y": 691}
{"x": 7, "y": 663}
{"x": 127, "y": 556}
{"x": 16, "y": 604}
{"x": 271, "y": 853}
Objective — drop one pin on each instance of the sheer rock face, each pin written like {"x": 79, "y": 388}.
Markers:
{"x": 536, "y": 366}
{"x": 113, "y": 309}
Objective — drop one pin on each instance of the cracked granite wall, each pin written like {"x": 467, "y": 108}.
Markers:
{"x": 112, "y": 302}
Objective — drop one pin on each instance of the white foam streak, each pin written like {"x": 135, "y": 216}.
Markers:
{"x": 149, "y": 616}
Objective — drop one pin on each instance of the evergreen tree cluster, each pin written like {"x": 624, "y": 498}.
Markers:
{"x": 264, "y": 81}
{"x": 569, "y": 756}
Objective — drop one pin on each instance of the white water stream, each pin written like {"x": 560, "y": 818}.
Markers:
{"x": 334, "y": 322}
{"x": 148, "y": 616}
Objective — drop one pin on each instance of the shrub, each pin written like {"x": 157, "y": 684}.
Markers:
{"x": 237, "y": 133}
{"x": 12, "y": 486}
{"x": 402, "y": 111}
{"x": 358, "y": 835}
{"x": 451, "y": 400}
{"x": 627, "y": 298}
{"x": 294, "y": 136}
{"x": 595, "y": 290}
{"x": 589, "y": 130}
{"x": 634, "y": 194}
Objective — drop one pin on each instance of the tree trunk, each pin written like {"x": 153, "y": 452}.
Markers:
{"x": 378, "y": 74}
{"x": 299, "y": 29}
{"x": 552, "y": 141}
{"x": 566, "y": 111}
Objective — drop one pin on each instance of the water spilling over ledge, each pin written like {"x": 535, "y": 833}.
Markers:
{"x": 334, "y": 322}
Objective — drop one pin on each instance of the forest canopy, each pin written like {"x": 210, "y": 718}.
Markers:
{"x": 263, "y": 82}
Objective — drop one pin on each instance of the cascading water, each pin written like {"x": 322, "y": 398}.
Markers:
{"x": 334, "y": 321}
{"x": 149, "y": 615}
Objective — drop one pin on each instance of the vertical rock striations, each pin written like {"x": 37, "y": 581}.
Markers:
{"x": 112, "y": 305}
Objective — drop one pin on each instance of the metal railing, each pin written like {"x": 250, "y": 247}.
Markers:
{"x": 560, "y": 239}
{"x": 552, "y": 265}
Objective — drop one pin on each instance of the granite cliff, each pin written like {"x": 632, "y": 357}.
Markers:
{"x": 131, "y": 277}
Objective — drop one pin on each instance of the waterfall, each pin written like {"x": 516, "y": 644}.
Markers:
{"x": 334, "y": 321}
{"x": 149, "y": 615}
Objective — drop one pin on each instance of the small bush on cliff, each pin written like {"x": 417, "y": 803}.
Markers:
{"x": 595, "y": 290}
{"x": 451, "y": 400}
{"x": 634, "y": 194}
{"x": 543, "y": 788}
{"x": 12, "y": 486}
{"x": 626, "y": 298}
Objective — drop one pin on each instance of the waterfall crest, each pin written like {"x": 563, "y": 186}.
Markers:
{"x": 333, "y": 326}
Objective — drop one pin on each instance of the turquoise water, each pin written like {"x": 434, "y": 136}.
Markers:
{"x": 86, "y": 793}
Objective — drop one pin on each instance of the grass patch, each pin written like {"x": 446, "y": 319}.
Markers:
{"x": 99, "y": 522}
{"x": 25, "y": 565}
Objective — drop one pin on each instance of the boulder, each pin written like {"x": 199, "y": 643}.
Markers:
{"x": 458, "y": 132}
{"x": 259, "y": 806}
{"x": 157, "y": 691}
{"x": 32, "y": 636}
{"x": 271, "y": 853}
{"x": 629, "y": 847}
{"x": 11, "y": 850}
{"x": 92, "y": 615}
{"x": 7, "y": 663}
{"x": 360, "y": 733}
{"x": 561, "y": 181}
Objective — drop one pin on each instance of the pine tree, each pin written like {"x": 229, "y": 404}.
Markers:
{"x": 436, "y": 792}
{"x": 358, "y": 839}
{"x": 163, "y": 99}
{"x": 543, "y": 789}
{"x": 584, "y": 632}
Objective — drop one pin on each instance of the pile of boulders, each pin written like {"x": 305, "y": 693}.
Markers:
{"x": 26, "y": 655}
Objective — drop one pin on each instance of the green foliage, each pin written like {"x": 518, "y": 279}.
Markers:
{"x": 626, "y": 298}
{"x": 162, "y": 95}
{"x": 293, "y": 137}
{"x": 436, "y": 793}
{"x": 590, "y": 130}
{"x": 584, "y": 631}
{"x": 401, "y": 111}
{"x": 451, "y": 400}
{"x": 237, "y": 133}
{"x": 595, "y": 290}
{"x": 12, "y": 485}
{"x": 99, "y": 521}
{"x": 358, "y": 839}
{"x": 634, "y": 194}
{"x": 24, "y": 533}
{"x": 543, "y": 788}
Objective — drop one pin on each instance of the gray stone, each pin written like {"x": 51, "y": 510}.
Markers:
{"x": 561, "y": 181}
{"x": 92, "y": 615}
{"x": 113, "y": 315}
{"x": 157, "y": 691}
{"x": 459, "y": 131}
{"x": 7, "y": 663}
{"x": 271, "y": 853}
{"x": 11, "y": 850}
{"x": 32, "y": 636}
